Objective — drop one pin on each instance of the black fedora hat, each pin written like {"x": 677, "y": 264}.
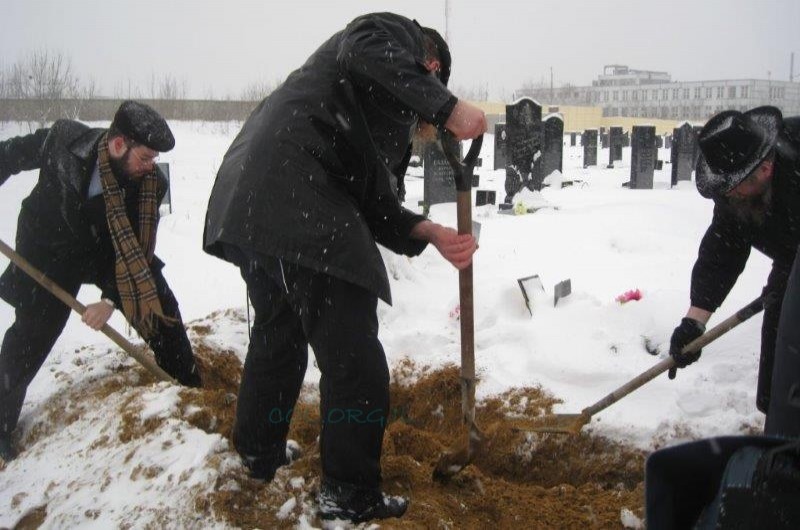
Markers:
{"x": 732, "y": 145}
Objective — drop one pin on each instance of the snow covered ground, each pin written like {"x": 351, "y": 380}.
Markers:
{"x": 605, "y": 238}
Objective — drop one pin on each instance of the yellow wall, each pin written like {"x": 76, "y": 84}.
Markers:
{"x": 578, "y": 119}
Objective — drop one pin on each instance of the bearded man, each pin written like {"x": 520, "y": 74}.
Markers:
{"x": 91, "y": 218}
{"x": 749, "y": 167}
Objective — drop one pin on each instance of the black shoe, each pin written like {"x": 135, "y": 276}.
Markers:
{"x": 265, "y": 468}
{"x": 338, "y": 500}
{"x": 7, "y": 451}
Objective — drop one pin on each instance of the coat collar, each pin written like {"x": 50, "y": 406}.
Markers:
{"x": 85, "y": 148}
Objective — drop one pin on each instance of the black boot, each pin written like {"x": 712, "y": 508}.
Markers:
{"x": 339, "y": 500}
{"x": 7, "y": 451}
{"x": 265, "y": 468}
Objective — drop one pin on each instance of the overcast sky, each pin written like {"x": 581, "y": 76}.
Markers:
{"x": 217, "y": 48}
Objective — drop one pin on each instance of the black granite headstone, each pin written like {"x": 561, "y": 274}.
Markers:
{"x": 572, "y": 139}
{"x": 614, "y": 145}
{"x": 553, "y": 145}
{"x": 500, "y": 140}
{"x": 684, "y": 146}
{"x": 626, "y": 139}
{"x": 604, "y": 140}
{"x": 643, "y": 157}
{"x": 483, "y": 197}
{"x": 589, "y": 147}
{"x": 439, "y": 178}
{"x": 524, "y": 147}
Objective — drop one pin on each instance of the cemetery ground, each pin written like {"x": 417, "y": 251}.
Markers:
{"x": 102, "y": 446}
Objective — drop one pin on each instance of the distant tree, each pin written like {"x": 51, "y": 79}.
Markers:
{"x": 477, "y": 92}
{"x": 259, "y": 90}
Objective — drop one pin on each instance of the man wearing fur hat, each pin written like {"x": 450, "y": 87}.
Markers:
{"x": 304, "y": 193}
{"x": 749, "y": 167}
{"x": 91, "y": 218}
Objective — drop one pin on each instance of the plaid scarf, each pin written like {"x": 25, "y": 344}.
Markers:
{"x": 137, "y": 289}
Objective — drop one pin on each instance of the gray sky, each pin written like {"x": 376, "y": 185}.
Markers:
{"x": 220, "y": 47}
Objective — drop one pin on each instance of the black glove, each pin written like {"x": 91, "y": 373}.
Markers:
{"x": 686, "y": 332}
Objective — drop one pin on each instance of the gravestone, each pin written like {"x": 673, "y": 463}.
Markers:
{"x": 572, "y": 139}
{"x": 659, "y": 141}
{"x": 614, "y": 145}
{"x": 696, "y": 129}
{"x": 524, "y": 147}
{"x": 604, "y": 140}
{"x": 643, "y": 157}
{"x": 589, "y": 140}
{"x": 668, "y": 141}
{"x": 165, "y": 207}
{"x": 553, "y": 145}
{"x": 439, "y": 179}
{"x": 684, "y": 146}
{"x": 483, "y": 197}
{"x": 500, "y": 140}
{"x": 626, "y": 139}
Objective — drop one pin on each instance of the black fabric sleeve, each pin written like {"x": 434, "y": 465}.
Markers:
{"x": 721, "y": 258}
{"x": 21, "y": 153}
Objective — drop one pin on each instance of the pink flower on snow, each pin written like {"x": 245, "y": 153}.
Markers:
{"x": 627, "y": 296}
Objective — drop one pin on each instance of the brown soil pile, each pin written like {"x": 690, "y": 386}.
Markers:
{"x": 520, "y": 479}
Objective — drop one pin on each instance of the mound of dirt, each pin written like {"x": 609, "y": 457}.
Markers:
{"x": 519, "y": 479}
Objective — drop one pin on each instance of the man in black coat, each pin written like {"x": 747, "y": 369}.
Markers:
{"x": 750, "y": 166}
{"x": 91, "y": 218}
{"x": 302, "y": 196}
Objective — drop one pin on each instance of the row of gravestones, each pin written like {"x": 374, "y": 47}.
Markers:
{"x": 530, "y": 149}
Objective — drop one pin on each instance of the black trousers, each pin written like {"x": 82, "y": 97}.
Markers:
{"x": 37, "y": 327}
{"x": 296, "y": 307}
{"x": 773, "y": 294}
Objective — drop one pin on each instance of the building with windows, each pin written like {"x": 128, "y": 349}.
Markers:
{"x": 625, "y": 92}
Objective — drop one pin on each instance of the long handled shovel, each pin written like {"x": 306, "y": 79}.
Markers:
{"x": 573, "y": 423}
{"x": 452, "y": 462}
{"x": 79, "y": 308}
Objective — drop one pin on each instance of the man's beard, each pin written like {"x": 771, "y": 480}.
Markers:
{"x": 119, "y": 167}
{"x": 753, "y": 210}
{"x": 425, "y": 134}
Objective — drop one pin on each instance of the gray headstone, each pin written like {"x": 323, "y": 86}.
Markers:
{"x": 523, "y": 150}
{"x": 500, "y": 140}
{"x": 626, "y": 139}
{"x": 604, "y": 140}
{"x": 668, "y": 141}
{"x": 553, "y": 145}
{"x": 614, "y": 145}
{"x": 684, "y": 147}
{"x": 483, "y": 197}
{"x": 589, "y": 147}
{"x": 572, "y": 139}
{"x": 440, "y": 185}
{"x": 643, "y": 157}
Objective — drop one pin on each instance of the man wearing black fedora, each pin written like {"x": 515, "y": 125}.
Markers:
{"x": 91, "y": 218}
{"x": 749, "y": 167}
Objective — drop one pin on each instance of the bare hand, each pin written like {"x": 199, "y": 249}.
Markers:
{"x": 97, "y": 314}
{"x": 466, "y": 121}
{"x": 455, "y": 248}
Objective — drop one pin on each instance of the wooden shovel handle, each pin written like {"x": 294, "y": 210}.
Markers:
{"x": 79, "y": 308}
{"x": 753, "y": 308}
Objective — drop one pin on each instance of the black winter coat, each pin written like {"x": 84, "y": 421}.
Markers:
{"x": 726, "y": 245}
{"x": 303, "y": 180}
{"x": 54, "y": 231}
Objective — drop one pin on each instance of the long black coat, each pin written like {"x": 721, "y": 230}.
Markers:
{"x": 726, "y": 245}
{"x": 53, "y": 230}
{"x": 304, "y": 180}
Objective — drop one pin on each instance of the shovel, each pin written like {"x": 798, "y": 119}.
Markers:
{"x": 79, "y": 308}
{"x": 454, "y": 461}
{"x": 573, "y": 423}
